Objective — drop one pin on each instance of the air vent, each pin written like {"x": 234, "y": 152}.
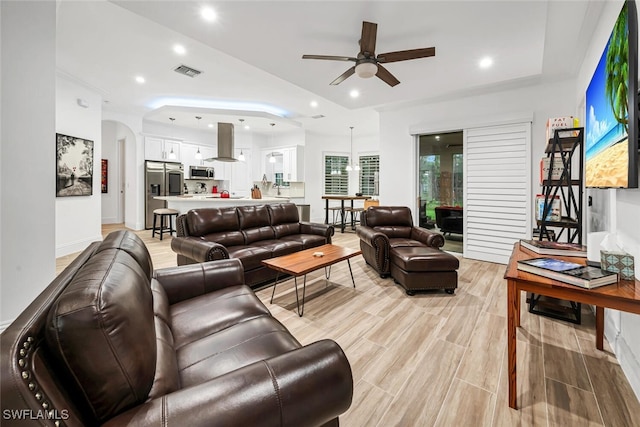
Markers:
{"x": 187, "y": 71}
{"x": 318, "y": 116}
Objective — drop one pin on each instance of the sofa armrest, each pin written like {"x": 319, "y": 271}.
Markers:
{"x": 308, "y": 386}
{"x": 192, "y": 280}
{"x": 198, "y": 250}
{"x": 428, "y": 237}
{"x": 325, "y": 230}
{"x": 374, "y": 238}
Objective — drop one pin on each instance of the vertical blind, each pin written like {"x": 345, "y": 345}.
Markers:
{"x": 497, "y": 206}
{"x": 369, "y": 166}
{"x": 336, "y": 177}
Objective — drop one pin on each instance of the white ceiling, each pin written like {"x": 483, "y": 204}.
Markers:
{"x": 252, "y": 55}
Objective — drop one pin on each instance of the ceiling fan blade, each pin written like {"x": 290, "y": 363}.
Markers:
{"x": 368, "y": 38}
{"x": 404, "y": 55}
{"x": 386, "y": 76}
{"x": 342, "y": 77}
{"x": 329, "y": 57}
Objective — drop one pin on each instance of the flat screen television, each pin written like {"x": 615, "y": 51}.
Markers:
{"x": 611, "y": 147}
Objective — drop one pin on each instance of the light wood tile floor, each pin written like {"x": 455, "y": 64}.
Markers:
{"x": 440, "y": 360}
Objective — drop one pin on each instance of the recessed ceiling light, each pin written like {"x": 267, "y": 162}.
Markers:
{"x": 140, "y": 79}
{"x": 437, "y": 137}
{"x": 486, "y": 62}
{"x": 210, "y": 125}
{"x": 208, "y": 14}
{"x": 314, "y": 104}
{"x": 179, "y": 49}
{"x": 354, "y": 93}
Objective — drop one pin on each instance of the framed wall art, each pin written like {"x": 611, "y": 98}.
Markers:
{"x": 74, "y": 169}
{"x": 104, "y": 175}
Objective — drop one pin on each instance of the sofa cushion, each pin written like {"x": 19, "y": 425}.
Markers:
{"x": 255, "y": 223}
{"x": 279, "y": 247}
{"x": 232, "y": 348}
{"x": 196, "y": 318}
{"x": 166, "y": 378}
{"x": 219, "y": 225}
{"x": 250, "y": 256}
{"x": 306, "y": 240}
{"x": 101, "y": 334}
{"x": 284, "y": 219}
{"x": 394, "y": 221}
{"x": 133, "y": 245}
{"x": 398, "y": 242}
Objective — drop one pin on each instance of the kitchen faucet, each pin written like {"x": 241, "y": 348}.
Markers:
{"x": 277, "y": 187}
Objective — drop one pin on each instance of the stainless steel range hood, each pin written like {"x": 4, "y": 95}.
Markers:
{"x": 225, "y": 144}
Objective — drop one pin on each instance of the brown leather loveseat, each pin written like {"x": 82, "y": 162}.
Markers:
{"x": 391, "y": 244}
{"x": 111, "y": 342}
{"x": 248, "y": 233}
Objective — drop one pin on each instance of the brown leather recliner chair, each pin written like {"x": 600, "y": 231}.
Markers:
{"x": 111, "y": 342}
{"x": 385, "y": 227}
{"x": 393, "y": 245}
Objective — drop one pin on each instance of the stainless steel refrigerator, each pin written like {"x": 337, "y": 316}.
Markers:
{"x": 161, "y": 179}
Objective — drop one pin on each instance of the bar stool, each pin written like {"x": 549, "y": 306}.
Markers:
{"x": 162, "y": 213}
{"x": 336, "y": 211}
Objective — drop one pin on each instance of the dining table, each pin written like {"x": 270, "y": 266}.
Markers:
{"x": 341, "y": 199}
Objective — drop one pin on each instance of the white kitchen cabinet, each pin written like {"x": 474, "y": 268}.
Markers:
{"x": 189, "y": 151}
{"x": 293, "y": 164}
{"x": 222, "y": 170}
{"x": 160, "y": 149}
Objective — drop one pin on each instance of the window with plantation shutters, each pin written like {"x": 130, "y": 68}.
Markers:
{"x": 369, "y": 168}
{"x": 336, "y": 177}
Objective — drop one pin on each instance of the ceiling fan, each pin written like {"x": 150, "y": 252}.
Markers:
{"x": 368, "y": 64}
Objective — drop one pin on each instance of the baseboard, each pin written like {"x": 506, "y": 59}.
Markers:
{"x": 137, "y": 226}
{"x": 625, "y": 356}
{"x": 111, "y": 220}
{"x": 76, "y": 246}
{"x": 5, "y": 324}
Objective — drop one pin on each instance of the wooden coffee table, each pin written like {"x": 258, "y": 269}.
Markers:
{"x": 304, "y": 262}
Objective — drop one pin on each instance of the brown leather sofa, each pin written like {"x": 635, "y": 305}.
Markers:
{"x": 248, "y": 233}
{"x": 392, "y": 245}
{"x": 111, "y": 342}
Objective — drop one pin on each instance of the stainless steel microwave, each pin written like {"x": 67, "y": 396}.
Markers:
{"x": 201, "y": 172}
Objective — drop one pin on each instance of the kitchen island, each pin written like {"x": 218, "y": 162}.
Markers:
{"x": 187, "y": 202}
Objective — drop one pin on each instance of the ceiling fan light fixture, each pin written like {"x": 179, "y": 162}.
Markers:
{"x": 366, "y": 70}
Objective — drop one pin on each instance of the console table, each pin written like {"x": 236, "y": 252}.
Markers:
{"x": 624, "y": 296}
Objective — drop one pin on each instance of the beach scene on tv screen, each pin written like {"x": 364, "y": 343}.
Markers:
{"x": 607, "y": 154}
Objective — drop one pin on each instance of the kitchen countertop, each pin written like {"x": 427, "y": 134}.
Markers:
{"x": 191, "y": 201}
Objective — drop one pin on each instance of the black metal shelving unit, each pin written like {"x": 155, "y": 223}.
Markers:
{"x": 570, "y": 190}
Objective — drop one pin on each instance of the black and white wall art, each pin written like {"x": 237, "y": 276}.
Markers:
{"x": 74, "y": 167}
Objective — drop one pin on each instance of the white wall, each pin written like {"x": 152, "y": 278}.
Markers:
{"x": 621, "y": 219}
{"x": 109, "y": 200}
{"x": 78, "y": 217}
{"x": 398, "y": 147}
{"x": 27, "y": 201}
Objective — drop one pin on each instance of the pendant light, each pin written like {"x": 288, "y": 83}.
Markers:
{"x": 198, "y": 153}
{"x": 172, "y": 155}
{"x": 241, "y": 156}
{"x": 272, "y": 159}
{"x": 355, "y": 166}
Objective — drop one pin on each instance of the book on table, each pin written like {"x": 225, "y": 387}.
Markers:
{"x": 546, "y": 247}
{"x": 569, "y": 272}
